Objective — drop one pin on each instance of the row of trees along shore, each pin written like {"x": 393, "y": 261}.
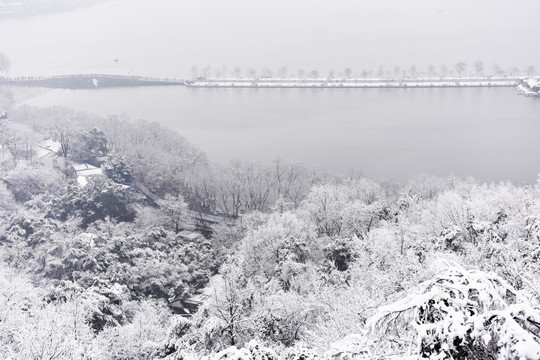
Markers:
{"x": 318, "y": 266}
{"x": 460, "y": 69}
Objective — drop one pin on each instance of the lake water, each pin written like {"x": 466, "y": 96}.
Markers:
{"x": 489, "y": 133}
{"x": 391, "y": 133}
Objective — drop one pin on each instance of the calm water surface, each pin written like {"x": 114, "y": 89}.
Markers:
{"x": 489, "y": 133}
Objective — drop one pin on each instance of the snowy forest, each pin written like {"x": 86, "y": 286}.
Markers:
{"x": 305, "y": 265}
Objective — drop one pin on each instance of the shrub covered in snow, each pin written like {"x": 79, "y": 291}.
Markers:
{"x": 118, "y": 169}
{"x": 460, "y": 314}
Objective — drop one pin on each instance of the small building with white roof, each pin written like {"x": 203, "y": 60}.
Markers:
{"x": 48, "y": 152}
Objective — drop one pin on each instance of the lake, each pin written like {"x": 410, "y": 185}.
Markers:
{"x": 488, "y": 133}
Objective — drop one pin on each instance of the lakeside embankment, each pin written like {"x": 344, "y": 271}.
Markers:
{"x": 355, "y": 83}
{"x": 91, "y": 81}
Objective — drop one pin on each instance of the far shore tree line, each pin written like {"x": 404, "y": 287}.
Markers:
{"x": 461, "y": 69}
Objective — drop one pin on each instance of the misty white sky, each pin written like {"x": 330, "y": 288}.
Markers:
{"x": 167, "y": 37}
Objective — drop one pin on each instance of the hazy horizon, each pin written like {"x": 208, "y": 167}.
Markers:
{"x": 166, "y": 38}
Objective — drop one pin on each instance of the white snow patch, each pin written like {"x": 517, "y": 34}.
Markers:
{"x": 82, "y": 180}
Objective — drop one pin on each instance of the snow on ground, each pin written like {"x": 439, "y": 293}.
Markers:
{"x": 82, "y": 180}
{"x": 85, "y": 170}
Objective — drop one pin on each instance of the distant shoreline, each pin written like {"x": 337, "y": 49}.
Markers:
{"x": 367, "y": 83}
{"x": 95, "y": 81}
{"x": 350, "y": 85}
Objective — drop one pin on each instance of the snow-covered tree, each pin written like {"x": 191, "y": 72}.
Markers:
{"x": 118, "y": 169}
{"x": 177, "y": 212}
{"x": 98, "y": 199}
{"x": 89, "y": 144}
{"x": 459, "y": 314}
